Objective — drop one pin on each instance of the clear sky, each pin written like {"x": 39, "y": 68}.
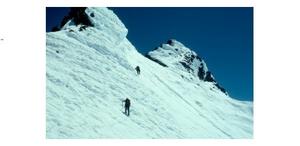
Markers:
{"x": 223, "y": 37}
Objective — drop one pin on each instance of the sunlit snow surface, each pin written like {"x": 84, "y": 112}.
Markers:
{"x": 90, "y": 72}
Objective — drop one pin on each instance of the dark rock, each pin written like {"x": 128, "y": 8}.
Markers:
{"x": 55, "y": 28}
{"x": 82, "y": 28}
{"x": 189, "y": 58}
{"x": 78, "y": 15}
{"x": 170, "y": 42}
{"x": 201, "y": 73}
{"x": 186, "y": 66}
{"x": 209, "y": 77}
{"x": 221, "y": 88}
{"x": 92, "y": 15}
{"x": 197, "y": 57}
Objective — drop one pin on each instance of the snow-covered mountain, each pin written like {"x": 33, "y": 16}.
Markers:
{"x": 91, "y": 69}
{"x": 180, "y": 58}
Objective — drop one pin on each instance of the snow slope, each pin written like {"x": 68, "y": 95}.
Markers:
{"x": 90, "y": 70}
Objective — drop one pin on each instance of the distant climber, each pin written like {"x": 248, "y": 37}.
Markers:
{"x": 137, "y": 68}
{"x": 127, "y": 105}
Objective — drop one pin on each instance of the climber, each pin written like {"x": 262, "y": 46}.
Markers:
{"x": 137, "y": 68}
{"x": 127, "y": 105}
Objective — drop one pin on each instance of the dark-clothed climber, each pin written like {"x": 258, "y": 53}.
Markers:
{"x": 127, "y": 105}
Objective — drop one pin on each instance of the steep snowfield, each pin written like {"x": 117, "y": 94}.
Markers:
{"x": 90, "y": 72}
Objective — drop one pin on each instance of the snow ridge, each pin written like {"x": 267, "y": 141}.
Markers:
{"x": 90, "y": 70}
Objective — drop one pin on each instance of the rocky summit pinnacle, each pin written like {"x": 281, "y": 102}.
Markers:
{"x": 174, "y": 54}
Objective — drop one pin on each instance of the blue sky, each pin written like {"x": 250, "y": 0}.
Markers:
{"x": 222, "y": 36}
